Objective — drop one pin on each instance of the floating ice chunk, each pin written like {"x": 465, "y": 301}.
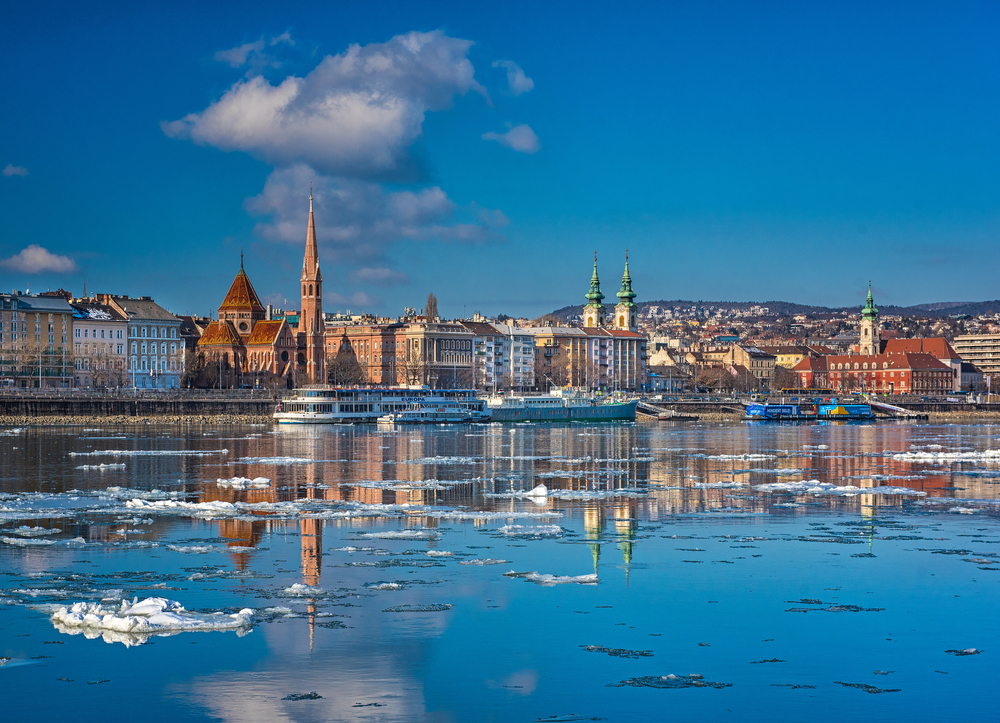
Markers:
{"x": 438, "y": 553}
{"x": 539, "y": 491}
{"x": 150, "y": 453}
{"x": 286, "y": 460}
{"x": 989, "y": 455}
{"x": 36, "y": 542}
{"x": 444, "y": 460}
{"x": 966, "y": 651}
{"x": 402, "y": 535}
{"x": 25, "y": 531}
{"x": 740, "y": 457}
{"x": 717, "y": 485}
{"x": 465, "y": 515}
{"x": 113, "y": 465}
{"x": 545, "y": 579}
{"x": 401, "y": 485}
{"x": 300, "y": 590}
{"x": 385, "y": 586}
{"x": 242, "y": 483}
{"x": 963, "y": 510}
{"x": 133, "y": 623}
{"x": 815, "y": 487}
{"x": 530, "y": 531}
{"x": 484, "y": 561}
{"x": 192, "y": 549}
{"x": 200, "y": 509}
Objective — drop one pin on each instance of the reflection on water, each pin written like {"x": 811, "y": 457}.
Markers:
{"x": 695, "y": 531}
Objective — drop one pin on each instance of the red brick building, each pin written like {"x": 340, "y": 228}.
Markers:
{"x": 888, "y": 373}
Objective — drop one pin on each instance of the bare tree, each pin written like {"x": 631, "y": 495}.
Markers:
{"x": 431, "y": 311}
{"x": 344, "y": 368}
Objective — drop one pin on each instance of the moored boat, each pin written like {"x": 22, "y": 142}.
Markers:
{"x": 346, "y": 405}
{"x": 561, "y": 405}
{"x": 433, "y": 414}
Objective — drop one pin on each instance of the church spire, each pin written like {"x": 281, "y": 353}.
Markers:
{"x": 869, "y": 310}
{"x": 626, "y": 297}
{"x": 310, "y": 262}
{"x": 594, "y": 296}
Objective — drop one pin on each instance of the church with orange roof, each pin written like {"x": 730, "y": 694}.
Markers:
{"x": 244, "y": 339}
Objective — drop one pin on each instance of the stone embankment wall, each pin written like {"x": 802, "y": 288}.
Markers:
{"x": 942, "y": 411}
{"x": 21, "y": 410}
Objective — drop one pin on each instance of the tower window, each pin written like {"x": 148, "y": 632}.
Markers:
{"x": 310, "y": 289}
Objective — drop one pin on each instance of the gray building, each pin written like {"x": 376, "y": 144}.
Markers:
{"x": 155, "y": 347}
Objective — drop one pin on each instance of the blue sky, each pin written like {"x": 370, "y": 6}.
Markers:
{"x": 741, "y": 151}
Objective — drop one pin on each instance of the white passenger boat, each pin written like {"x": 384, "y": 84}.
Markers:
{"x": 450, "y": 413}
{"x": 560, "y": 405}
{"x": 345, "y": 405}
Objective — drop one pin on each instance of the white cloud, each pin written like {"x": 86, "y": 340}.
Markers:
{"x": 519, "y": 138}
{"x": 238, "y": 56}
{"x": 380, "y": 276}
{"x": 12, "y": 170}
{"x": 357, "y": 114}
{"x": 517, "y": 81}
{"x": 356, "y": 220}
{"x": 34, "y": 260}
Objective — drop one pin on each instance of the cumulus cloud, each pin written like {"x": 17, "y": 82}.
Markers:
{"x": 356, "y": 220}
{"x": 357, "y": 114}
{"x": 517, "y": 81}
{"x": 34, "y": 260}
{"x": 519, "y": 138}
{"x": 381, "y": 276}
{"x": 12, "y": 170}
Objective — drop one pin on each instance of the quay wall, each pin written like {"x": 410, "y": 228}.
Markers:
{"x": 26, "y": 408}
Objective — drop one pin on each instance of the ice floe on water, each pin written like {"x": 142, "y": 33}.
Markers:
{"x": 285, "y": 460}
{"x": 737, "y": 457}
{"x": 540, "y": 493}
{"x": 300, "y": 590}
{"x": 815, "y": 487}
{"x": 37, "y": 542}
{"x": 402, "y": 485}
{"x": 989, "y": 455}
{"x": 113, "y": 465}
{"x": 532, "y": 531}
{"x": 717, "y": 485}
{"x": 402, "y": 535}
{"x": 443, "y": 460}
{"x": 150, "y": 453}
{"x": 546, "y": 579}
{"x": 192, "y": 549}
{"x": 242, "y": 483}
{"x": 483, "y": 561}
{"x": 476, "y": 515}
{"x": 669, "y": 681}
{"x": 133, "y": 623}
{"x": 25, "y": 531}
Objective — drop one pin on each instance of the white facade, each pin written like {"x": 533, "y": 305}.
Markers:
{"x": 518, "y": 355}
{"x": 155, "y": 347}
{"x": 99, "y": 344}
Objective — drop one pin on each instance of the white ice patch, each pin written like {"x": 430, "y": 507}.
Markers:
{"x": 815, "y": 487}
{"x": 113, "y": 465}
{"x": 484, "y": 561}
{"x": 35, "y": 542}
{"x": 532, "y": 530}
{"x": 242, "y": 483}
{"x": 11, "y": 432}
{"x": 402, "y": 535}
{"x": 286, "y": 460}
{"x": 150, "y": 453}
{"x": 216, "y": 508}
{"x": 545, "y": 579}
{"x": 401, "y": 485}
{"x": 192, "y": 549}
{"x": 25, "y": 531}
{"x": 386, "y": 586}
{"x": 737, "y": 457}
{"x": 443, "y": 460}
{"x": 133, "y": 623}
{"x": 990, "y": 455}
{"x": 300, "y": 590}
{"x": 438, "y": 553}
{"x": 716, "y": 485}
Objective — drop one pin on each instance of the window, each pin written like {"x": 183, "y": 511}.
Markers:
{"x": 173, "y": 332}
{"x": 173, "y": 348}
{"x": 102, "y": 333}
{"x": 163, "y": 364}
{"x": 145, "y": 363}
{"x": 76, "y": 334}
{"x": 163, "y": 347}
{"x": 145, "y": 348}
{"x": 119, "y": 333}
{"x": 133, "y": 347}
{"x": 143, "y": 332}
{"x": 85, "y": 333}
{"x": 121, "y": 348}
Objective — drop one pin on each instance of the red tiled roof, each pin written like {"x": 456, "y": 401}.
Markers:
{"x": 936, "y": 346}
{"x": 919, "y": 362}
{"x": 265, "y": 332}
{"x": 241, "y": 296}
{"x": 220, "y": 333}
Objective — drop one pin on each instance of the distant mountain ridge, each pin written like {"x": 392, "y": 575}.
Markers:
{"x": 786, "y": 308}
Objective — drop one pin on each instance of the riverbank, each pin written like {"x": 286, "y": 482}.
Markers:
{"x": 121, "y": 420}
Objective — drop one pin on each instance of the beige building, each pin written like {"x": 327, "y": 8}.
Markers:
{"x": 34, "y": 340}
{"x": 758, "y": 362}
{"x": 983, "y": 350}
{"x": 99, "y": 343}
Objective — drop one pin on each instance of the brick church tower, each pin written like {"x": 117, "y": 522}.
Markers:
{"x": 311, "y": 315}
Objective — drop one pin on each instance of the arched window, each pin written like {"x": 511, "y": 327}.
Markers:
{"x": 143, "y": 332}
{"x": 145, "y": 364}
{"x": 145, "y": 347}
{"x": 310, "y": 289}
{"x": 303, "y": 289}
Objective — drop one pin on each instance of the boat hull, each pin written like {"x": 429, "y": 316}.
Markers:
{"x": 624, "y": 411}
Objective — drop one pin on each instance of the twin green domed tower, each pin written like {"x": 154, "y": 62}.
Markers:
{"x": 625, "y": 313}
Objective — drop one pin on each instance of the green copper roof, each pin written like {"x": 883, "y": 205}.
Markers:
{"x": 626, "y": 297}
{"x": 594, "y": 296}
{"x": 869, "y": 311}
